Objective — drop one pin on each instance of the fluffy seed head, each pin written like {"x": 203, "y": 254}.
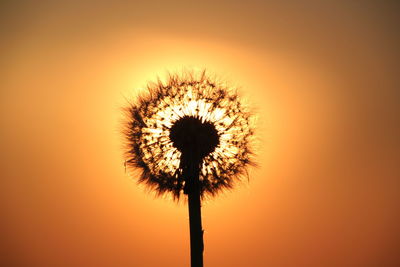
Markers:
{"x": 189, "y": 114}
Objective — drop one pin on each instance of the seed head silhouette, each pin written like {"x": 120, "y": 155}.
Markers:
{"x": 190, "y": 135}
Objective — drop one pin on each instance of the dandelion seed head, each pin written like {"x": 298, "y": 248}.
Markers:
{"x": 189, "y": 113}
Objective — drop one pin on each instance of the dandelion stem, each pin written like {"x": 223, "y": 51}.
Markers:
{"x": 191, "y": 174}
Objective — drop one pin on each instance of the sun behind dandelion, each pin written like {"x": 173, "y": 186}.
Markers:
{"x": 189, "y": 115}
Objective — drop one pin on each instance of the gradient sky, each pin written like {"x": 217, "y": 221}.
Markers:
{"x": 323, "y": 77}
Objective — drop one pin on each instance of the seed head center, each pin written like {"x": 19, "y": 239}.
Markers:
{"x": 191, "y": 135}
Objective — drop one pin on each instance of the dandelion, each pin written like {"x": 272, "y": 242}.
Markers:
{"x": 189, "y": 136}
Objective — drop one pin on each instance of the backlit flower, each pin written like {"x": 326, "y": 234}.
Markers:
{"x": 192, "y": 115}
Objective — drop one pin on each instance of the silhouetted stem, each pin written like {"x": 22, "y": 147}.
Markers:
{"x": 191, "y": 174}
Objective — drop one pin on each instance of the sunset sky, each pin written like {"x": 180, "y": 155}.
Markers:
{"x": 323, "y": 77}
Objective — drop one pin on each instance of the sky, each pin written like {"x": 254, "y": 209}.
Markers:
{"x": 322, "y": 76}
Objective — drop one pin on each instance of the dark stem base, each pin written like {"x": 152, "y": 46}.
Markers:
{"x": 196, "y": 231}
{"x": 191, "y": 174}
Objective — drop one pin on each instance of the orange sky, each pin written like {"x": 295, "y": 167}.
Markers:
{"x": 323, "y": 79}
